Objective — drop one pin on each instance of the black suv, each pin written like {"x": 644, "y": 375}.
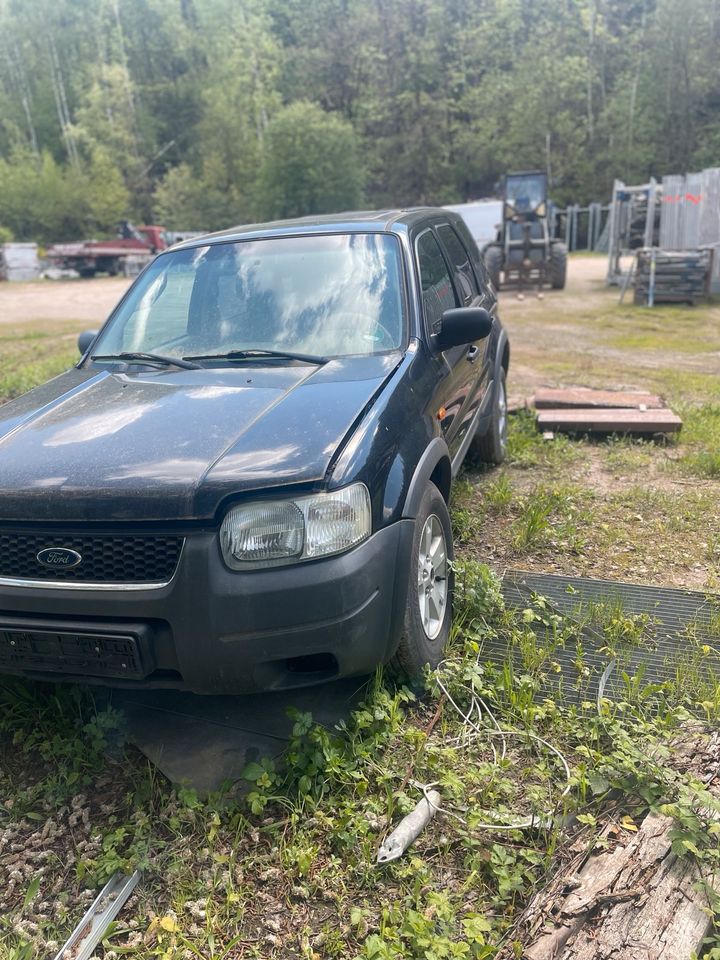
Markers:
{"x": 243, "y": 484}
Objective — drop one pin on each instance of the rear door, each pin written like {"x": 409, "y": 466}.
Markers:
{"x": 456, "y": 384}
{"x": 478, "y": 355}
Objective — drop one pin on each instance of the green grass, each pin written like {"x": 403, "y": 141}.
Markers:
{"x": 671, "y": 329}
{"x": 620, "y": 508}
{"x": 15, "y": 382}
{"x": 526, "y": 447}
{"x": 289, "y": 869}
{"x": 629, "y": 454}
{"x": 533, "y": 525}
{"x": 466, "y": 519}
{"x": 33, "y": 354}
{"x": 499, "y": 493}
{"x": 701, "y": 438}
{"x": 551, "y": 518}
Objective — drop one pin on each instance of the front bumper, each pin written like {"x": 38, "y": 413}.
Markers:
{"x": 213, "y": 630}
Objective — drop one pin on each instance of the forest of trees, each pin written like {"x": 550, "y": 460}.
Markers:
{"x": 205, "y": 113}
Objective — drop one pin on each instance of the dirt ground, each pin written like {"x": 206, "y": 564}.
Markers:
{"x": 582, "y": 335}
{"x": 619, "y": 508}
{"x": 89, "y": 301}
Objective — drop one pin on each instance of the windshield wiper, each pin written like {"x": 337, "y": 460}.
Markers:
{"x": 250, "y": 354}
{"x": 150, "y": 358}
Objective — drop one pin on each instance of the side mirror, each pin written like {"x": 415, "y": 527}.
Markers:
{"x": 85, "y": 339}
{"x": 463, "y": 325}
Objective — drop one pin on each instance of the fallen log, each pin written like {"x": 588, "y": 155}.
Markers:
{"x": 639, "y": 901}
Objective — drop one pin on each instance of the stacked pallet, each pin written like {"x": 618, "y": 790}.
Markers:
{"x": 580, "y": 410}
{"x": 680, "y": 276}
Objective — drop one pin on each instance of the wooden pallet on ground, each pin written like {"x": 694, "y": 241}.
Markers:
{"x": 583, "y": 397}
{"x": 619, "y": 420}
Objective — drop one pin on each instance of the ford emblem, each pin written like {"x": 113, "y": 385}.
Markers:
{"x": 59, "y": 558}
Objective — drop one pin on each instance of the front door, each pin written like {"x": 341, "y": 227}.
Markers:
{"x": 478, "y": 354}
{"x": 457, "y": 382}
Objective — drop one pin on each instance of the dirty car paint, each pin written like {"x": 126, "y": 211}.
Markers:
{"x": 169, "y": 444}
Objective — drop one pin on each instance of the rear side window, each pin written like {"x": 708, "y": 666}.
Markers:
{"x": 475, "y": 258}
{"x": 437, "y": 288}
{"x": 461, "y": 262}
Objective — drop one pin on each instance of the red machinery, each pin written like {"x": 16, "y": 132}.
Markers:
{"x": 89, "y": 257}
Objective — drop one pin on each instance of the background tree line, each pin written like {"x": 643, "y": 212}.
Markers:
{"x": 205, "y": 113}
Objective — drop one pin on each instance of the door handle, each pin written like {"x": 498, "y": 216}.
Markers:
{"x": 473, "y": 353}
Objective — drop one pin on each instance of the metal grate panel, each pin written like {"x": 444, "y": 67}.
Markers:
{"x": 680, "y": 642}
{"x": 105, "y": 559}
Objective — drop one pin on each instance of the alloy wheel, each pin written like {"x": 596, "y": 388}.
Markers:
{"x": 432, "y": 577}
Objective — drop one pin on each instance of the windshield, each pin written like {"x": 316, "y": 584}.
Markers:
{"x": 526, "y": 193}
{"x": 333, "y": 296}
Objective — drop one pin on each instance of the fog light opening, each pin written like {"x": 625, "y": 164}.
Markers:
{"x": 317, "y": 663}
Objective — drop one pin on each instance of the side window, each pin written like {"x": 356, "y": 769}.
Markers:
{"x": 475, "y": 257}
{"x": 437, "y": 290}
{"x": 461, "y": 262}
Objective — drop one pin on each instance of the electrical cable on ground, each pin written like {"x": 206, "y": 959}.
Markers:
{"x": 480, "y": 708}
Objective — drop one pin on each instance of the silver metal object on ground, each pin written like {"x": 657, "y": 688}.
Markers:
{"x": 93, "y": 926}
{"x": 409, "y": 828}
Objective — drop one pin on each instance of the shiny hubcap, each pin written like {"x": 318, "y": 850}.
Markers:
{"x": 432, "y": 577}
{"x": 502, "y": 415}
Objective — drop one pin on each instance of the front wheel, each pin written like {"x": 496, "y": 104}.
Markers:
{"x": 491, "y": 447}
{"x": 428, "y": 608}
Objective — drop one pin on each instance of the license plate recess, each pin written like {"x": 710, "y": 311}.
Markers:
{"x": 69, "y": 651}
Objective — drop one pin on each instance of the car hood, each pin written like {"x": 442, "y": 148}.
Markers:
{"x": 173, "y": 444}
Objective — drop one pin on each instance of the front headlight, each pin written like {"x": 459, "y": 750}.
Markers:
{"x": 280, "y": 531}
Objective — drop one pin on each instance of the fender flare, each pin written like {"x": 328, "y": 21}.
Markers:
{"x": 436, "y": 455}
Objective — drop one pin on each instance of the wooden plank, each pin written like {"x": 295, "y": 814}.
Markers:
{"x": 621, "y": 420}
{"x": 552, "y": 399}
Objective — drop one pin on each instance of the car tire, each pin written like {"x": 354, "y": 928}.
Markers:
{"x": 558, "y": 265}
{"x": 428, "y": 607}
{"x": 491, "y": 446}
{"x": 493, "y": 257}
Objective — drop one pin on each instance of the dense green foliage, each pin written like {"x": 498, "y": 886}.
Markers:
{"x": 201, "y": 113}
